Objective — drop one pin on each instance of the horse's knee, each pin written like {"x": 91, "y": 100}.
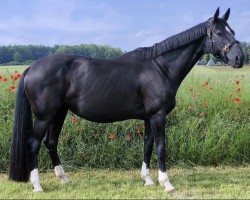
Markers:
{"x": 161, "y": 151}
{"x": 34, "y": 145}
{"x": 50, "y": 144}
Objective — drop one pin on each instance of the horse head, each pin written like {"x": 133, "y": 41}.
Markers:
{"x": 222, "y": 40}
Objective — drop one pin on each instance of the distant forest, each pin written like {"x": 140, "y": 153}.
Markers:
{"x": 26, "y": 54}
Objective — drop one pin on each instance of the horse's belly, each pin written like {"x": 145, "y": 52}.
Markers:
{"x": 105, "y": 113}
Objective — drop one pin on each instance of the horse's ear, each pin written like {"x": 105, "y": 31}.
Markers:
{"x": 226, "y": 15}
{"x": 216, "y": 15}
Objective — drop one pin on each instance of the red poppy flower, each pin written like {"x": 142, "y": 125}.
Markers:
{"x": 15, "y": 78}
{"x": 238, "y": 90}
{"x": 206, "y": 83}
{"x": 129, "y": 137}
{"x": 237, "y": 82}
{"x": 1, "y": 77}
{"x": 112, "y": 136}
{"x": 204, "y": 104}
{"x": 202, "y": 114}
{"x": 237, "y": 100}
{"x": 74, "y": 119}
{"x": 12, "y": 88}
{"x": 5, "y": 80}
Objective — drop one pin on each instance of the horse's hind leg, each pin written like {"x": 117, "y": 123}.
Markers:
{"x": 51, "y": 142}
{"x": 39, "y": 130}
{"x": 148, "y": 147}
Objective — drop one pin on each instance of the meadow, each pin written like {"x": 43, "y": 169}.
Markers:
{"x": 209, "y": 127}
{"x": 190, "y": 183}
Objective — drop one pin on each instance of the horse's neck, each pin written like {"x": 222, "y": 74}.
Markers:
{"x": 179, "y": 62}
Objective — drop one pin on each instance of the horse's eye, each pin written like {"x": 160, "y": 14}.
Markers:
{"x": 218, "y": 33}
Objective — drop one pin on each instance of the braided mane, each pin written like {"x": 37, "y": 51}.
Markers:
{"x": 174, "y": 41}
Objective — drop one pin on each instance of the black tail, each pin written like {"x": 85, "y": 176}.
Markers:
{"x": 19, "y": 169}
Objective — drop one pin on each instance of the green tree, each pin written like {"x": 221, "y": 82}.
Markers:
{"x": 6, "y": 55}
{"x": 23, "y": 53}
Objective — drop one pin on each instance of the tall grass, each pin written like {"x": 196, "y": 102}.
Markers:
{"x": 209, "y": 126}
{"x": 211, "y": 123}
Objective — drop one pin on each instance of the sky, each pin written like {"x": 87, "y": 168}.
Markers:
{"x": 124, "y": 24}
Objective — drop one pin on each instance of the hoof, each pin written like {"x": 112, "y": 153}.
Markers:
{"x": 170, "y": 190}
{"x": 148, "y": 180}
{"x": 65, "y": 180}
{"x": 168, "y": 187}
{"x": 39, "y": 189}
{"x": 149, "y": 183}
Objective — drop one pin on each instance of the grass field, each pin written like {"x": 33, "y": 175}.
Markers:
{"x": 210, "y": 126}
{"x": 192, "y": 183}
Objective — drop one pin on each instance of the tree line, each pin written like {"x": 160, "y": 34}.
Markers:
{"x": 26, "y": 54}
{"x": 246, "y": 50}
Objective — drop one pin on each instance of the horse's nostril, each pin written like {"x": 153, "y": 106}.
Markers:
{"x": 237, "y": 59}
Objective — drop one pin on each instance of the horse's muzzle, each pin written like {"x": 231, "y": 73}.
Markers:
{"x": 238, "y": 61}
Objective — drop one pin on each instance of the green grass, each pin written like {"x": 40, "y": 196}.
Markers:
{"x": 206, "y": 128}
{"x": 192, "y": 183}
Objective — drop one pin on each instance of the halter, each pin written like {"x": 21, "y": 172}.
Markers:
{"x": 224, "y": 47}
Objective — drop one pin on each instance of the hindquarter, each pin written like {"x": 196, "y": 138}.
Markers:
{"x": 46, "y": 85}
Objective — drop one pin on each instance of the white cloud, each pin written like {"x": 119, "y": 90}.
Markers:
{"x": 55, "y": 21}
{"x": 118, "y": 23}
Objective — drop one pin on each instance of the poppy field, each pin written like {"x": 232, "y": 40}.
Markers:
{"x": 209, "y": 126}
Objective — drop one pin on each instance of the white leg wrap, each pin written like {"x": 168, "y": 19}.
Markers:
{"x": 61, "y": 174}
{"x": 145, "y": 175}
{"x": 34, "y": 179}
{"x": 164, "y": 181}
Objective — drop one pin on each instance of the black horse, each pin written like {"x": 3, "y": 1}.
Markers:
{"x": 140, "y": 84}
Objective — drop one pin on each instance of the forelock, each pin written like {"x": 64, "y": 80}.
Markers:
{"x": 229, "y": 29}
{"x": 225, "y": 25}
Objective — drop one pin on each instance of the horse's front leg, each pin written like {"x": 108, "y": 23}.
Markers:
{"x": 157, "y": 122}
{"x": 148, "y": 146}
